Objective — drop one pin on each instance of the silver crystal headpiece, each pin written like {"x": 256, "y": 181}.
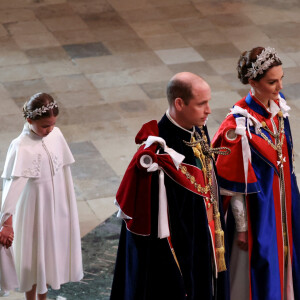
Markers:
{"x": 41, "y": 110}
{"x": 263, "y": 62}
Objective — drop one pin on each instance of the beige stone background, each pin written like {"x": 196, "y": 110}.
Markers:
{"x": 107, "y": 63}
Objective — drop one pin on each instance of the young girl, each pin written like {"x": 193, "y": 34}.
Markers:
{"x": 39, "y": 205}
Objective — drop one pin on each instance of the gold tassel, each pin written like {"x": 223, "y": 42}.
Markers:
{"x": 219, "y": 241}
{"x": 219, "y": 233}
{"x": 220, "y": 257}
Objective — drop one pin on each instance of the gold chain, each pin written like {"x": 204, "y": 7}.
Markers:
{"x": 204, "y": 153}
{"x": 278, "y": 146}
{"x": 201, "y": 151}
{"x": 192, "y": 179}
{"x": 205, "y": 148}
{"x": 265, "y": 126}
{"x": 279, "y": 138}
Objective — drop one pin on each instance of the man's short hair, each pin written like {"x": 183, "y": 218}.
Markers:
{"x": 179, "y": 89}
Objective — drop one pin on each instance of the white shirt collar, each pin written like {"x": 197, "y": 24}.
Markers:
{"x": 284, "y": 107}
{"x": 273, "y": 108}
{"x": 176, "y": 124}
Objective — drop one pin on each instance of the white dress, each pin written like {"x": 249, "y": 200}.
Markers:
{"x": 38, "y": 191}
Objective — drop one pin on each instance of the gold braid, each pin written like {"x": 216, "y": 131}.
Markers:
{"x": 279, "y": 139}
{"x": 205, "y": 153}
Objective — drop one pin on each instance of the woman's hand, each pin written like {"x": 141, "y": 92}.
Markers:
{"x": 242, "y": 240}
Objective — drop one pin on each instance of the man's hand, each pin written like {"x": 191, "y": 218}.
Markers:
{"x": 242, "y": 240}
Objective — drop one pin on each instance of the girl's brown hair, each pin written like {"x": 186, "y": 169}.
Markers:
{"x": 40, "y": 101}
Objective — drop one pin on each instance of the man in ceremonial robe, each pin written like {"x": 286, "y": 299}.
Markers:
{"x": 172, "y": 240}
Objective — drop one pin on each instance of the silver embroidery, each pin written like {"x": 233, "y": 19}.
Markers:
{"x": 36, "y": 168}
{"x": 239, "y": 211}
{"x": 57, "y": 164}
{"x": 240, "y": 220}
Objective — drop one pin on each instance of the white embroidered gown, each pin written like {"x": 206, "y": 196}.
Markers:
{"x": 38, "y": 191}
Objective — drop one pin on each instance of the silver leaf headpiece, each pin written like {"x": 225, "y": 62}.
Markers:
{"x": 41, "y": 110}
{"x": 263, "y": 62}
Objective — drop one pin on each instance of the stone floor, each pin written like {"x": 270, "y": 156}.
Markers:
{"x": 107, "y": 63}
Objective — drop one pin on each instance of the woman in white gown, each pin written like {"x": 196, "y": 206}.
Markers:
{"x": 39, "y": 202}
